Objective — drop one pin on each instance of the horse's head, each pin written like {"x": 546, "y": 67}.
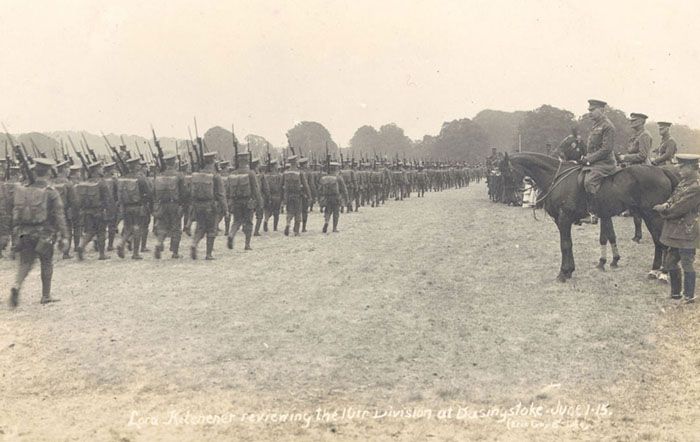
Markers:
{"x": 511, "y": 171}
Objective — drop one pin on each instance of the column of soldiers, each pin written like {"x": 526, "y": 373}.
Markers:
{"x": 110, "y": 205}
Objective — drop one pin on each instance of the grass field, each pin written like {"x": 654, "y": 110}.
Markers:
{"x": 427, "y": 319}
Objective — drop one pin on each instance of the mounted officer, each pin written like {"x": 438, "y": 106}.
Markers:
{"x": 599, "y": 160}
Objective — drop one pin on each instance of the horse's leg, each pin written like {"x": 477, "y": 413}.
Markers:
{"x": 612, "y": 238}
{"x": 654, "y": 224}
{"x": 567, "y": 254}
{"x": 637, "y": 227}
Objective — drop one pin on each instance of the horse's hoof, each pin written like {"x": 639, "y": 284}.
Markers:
{"x": 561, "y": 277}
{"x": 614, "y": 262}
{"x": 637, "y": 239}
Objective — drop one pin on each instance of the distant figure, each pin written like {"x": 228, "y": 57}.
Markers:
{"x": 667, "y": 149}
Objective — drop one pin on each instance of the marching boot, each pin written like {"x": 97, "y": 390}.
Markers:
{"x": 193, "y": 252}
{"x": 175, "y": 248}
{"x": 275, "y": 221}
{"x": 135, "y": 254}
{"x": 247, "y": 241}
{"x": 674, "y": 277}
{"x": 689, "y": 286}
{"x": 303, "y": 227}
{"x": 335, "y": 226}
{"x": 101, "y": 249}
{"x": 46, "y": 288}
{"x": 144, "y": 239}
{"x": 210, "y": 248}
{"x": 120, "y": 248}
{"x": 286, "y": 230}
{"x": 227, "y": 225}
{"x": 14, "y": 297}
{"x": 229, "y": 242}
{"x": 157, "y": 251}
{"x": 265, "y": 226}
{"x": 258, "y": 222}
{"x": 325, "y": 227}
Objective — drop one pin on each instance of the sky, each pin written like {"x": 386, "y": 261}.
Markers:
{"x": 120, "y": 66}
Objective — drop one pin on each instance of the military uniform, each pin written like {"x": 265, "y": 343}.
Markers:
{"x": 274, "y": 199}
{"x": 38, "y": 218}
{"x": 639, "y": 146}
{"x": 264, "y": 190}
{"x": 333, "y": 192}
{"x": 207, "y": 193}
{"x": 681, "y": 232}
{"x": 244, "y": 196}
{"x": 134, "y": 196}
{"x": 294, "y": 189}
{"x": 599, "y": 159}
{"x": 171, "y": 197}
{"x": 667, "y": 149}
{"x": 66, "y": 189}
{"x": 97, "y": 209}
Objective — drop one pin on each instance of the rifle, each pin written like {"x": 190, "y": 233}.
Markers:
{"x": 24, "y": 163}
{"x": 289, "y": 144}
{"x": 80, "y": 156}
{"x": 150, "y": 151}
{"x": 37, "y": 152}
{"x": 200, "y": 144}
{"x": 328, "y": 160}
{"x": 92, "y": 152}
{"x": 128, "y": 154}
{"x": 121, "y": 165}
{"x": 8, "y": 163}
{"x": 138, "y": 149}
{"x": 160, "y": 162}
{"x": 269, "y": 159}
{"x": 235, "y": 148}
{"x": 66, "y": 157}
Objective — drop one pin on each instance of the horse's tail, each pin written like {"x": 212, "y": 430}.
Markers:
{"x": 672, "y": 176}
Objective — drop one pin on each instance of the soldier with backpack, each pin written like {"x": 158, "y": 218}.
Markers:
{"x": 294, "y": 188}
{"x": 244, "y": 196}
{"x": 264, "y": 193}
{"x": 133, "y": 197}
{"x": 38, "y": 218}
{"x": 170, "y": 197}
{"x": 97, "y": 208}
{"x": 66, "y": 189}
{"x": 274, "y": 200}
{"x": 207, "y": 199}
{"x": 334, "y": 194}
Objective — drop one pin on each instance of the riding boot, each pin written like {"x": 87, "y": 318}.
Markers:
{"x": 210, "y": 248}
{"x": 689, "y": 286}
{"x": 674, "y": 277}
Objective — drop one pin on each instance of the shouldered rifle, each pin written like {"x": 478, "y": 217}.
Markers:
{"x": 80, "y": 156}
{"x": 121, "y": 165}
{"x": 200, "y": 144}
{"x": 138, "y": 149}
{"x": 289, "y": 144}
{"x": 269, "y": 159}
{"x": 35, "y": 149}
{"x": 8, "y": 163}
{"x": 160, "y": 162}
{"x": 87, "y": 146}
{"x": 328, "y": 160}
{"x": 235, "y": 148}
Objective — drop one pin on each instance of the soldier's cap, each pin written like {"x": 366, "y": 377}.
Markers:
{"x": 334, "y": 164}
{"x": 75, "y": 168}
{"x": 596, "y": 103}
{"x": 169, "y": 157}
{"x": 688, "y": 159}
{"x": 62, "y": 164}
{"x": 292, "y": 158}
{"x": 664, "y": 124}
{"x": 133, "y": 161}
{"x": 273, "y": 163}
{"x": 637, "y": 116}
{"x": 143, "y": 162}
{"x": 244, "y": 155}
{"x": 109, "y": 165}
{"x": 255, "y": 161}
{"x": 303, "y": 160}
{"x": 95, "y": 165}
{"x": 44, "y": 163}
{"x": 209, "y": 157}
{"x": 224, "y": 164}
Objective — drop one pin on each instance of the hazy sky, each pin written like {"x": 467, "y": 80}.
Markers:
{"x": 118, "y": 66}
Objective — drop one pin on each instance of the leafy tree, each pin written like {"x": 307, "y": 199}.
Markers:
{"x": 542, "y": 126}
{"x": 500, "y": 127}
{"x": 311, "y": 137}
{"x": 461, "y": 140}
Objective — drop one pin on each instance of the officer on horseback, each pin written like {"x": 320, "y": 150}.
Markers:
{"x": 599, "y": 160}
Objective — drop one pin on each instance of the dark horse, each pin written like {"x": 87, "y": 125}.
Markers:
{"x": 637, "y": 188}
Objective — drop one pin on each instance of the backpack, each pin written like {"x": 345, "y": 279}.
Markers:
{"x": 329, "y": 186}
{"x": 166, "y": 189}
{"x": 129, "y": 193}
{"x": 202, "y": 186}
{"x": 239, "y": 186}
{"x": 62, "y": 190}
{"x": 292, "y": 182}
{"x": 31, "y": 205}
{"x": 274, "y": 182}
{"x": 89, "y": 195}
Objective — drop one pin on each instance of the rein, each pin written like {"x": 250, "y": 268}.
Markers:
{"x": 557, "y": 180}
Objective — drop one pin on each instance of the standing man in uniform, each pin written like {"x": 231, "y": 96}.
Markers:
{"x": 264, "y": 190}
{"x": 681, "y": 232}
{"x": 306, "y": 200}
{"x": 38, "y": 217}
{"x": 667, "y": 149}
{"x": 97, "y": 208}
{"x": 66, "y": 189}
{"x": 133, "y": 197}
{"x": 274, "y": 200}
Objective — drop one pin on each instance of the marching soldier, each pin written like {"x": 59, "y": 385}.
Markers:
{"x": 97, "y": 209}
{"x": 148, "y": 208}
{"x": 134, "y": 197}
{"x": 306, "y": 200}
{"x": 38, "y": 217}
{"x": 66, "y": 189}
{"x": 294, "y": 188}
{"x": 264, "y": 193}
{"x": 349, "y": 176}
{"x": 244, "y": 195}
{"x": 334, "y": 193}
{"x": 667, "y": 149}
{"x": 224, "y": 172}
{"x": 170, "y": 198}
{"x": 207, "y": 197}
{"x": 274, "y": 200}
{"x": 110, "y": 173}
{"x": 681, "y": 232}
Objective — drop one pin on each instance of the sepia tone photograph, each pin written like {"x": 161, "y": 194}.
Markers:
{"x": 334, "y": 220}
